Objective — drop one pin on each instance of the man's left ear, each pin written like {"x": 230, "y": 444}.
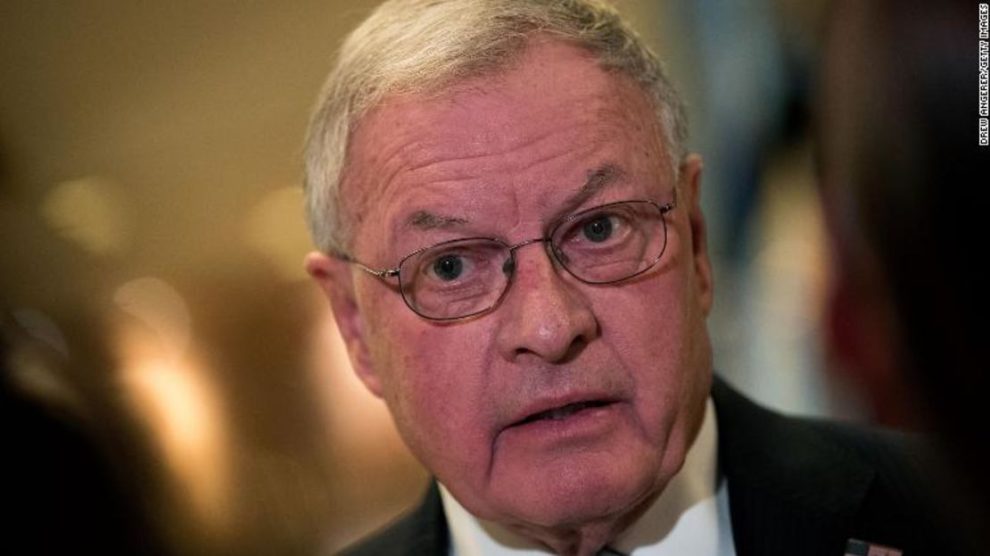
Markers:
{"x": 335, "y": 279}
{"x": 690, "y": 190}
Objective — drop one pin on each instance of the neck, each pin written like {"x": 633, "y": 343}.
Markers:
{"x": 588, "y": 538}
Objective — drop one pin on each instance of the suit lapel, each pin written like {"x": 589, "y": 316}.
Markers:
{"x": 428, "y": 533}
{"x": 790, "y": 490}
{"x": 420, "y": 532}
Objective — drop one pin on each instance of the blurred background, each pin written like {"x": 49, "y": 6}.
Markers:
{"x": 174, "y": 384}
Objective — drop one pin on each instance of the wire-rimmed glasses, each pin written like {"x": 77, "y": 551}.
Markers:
{"x": 465, "y": 277}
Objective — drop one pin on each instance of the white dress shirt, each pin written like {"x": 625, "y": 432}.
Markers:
{"x": 691, "y": 516}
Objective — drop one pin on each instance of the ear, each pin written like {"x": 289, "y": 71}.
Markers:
{"x": 335, "y": 278}
{"x": 690, "y": 190}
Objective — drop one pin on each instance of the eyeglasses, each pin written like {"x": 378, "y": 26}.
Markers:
{"x": 466, "y": 277}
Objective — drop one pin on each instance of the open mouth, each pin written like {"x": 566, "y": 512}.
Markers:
{"x": 564, "y": 411}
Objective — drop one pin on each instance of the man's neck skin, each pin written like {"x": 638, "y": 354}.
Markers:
{"x": 586, "y": 539}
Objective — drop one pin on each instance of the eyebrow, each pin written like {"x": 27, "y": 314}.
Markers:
{"x": 425, "y": 220}
{"x": 597, "y": 180}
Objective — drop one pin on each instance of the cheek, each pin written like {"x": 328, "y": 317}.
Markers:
{"x": 654, "y": 330}
{"x": 646, "y": 321}
{"x": 435, "y": 387}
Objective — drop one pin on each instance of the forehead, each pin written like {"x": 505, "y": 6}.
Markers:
{"x": 523, "y": 137}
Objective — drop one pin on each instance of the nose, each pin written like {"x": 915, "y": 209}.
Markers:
{"x": 542, "y": 314}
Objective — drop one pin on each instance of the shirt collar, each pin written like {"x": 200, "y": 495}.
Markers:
{"x": 690, "y": 517}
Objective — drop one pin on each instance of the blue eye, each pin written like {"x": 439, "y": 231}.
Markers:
{"x": 448, "y": 267}
{"x": 598, "y": 229}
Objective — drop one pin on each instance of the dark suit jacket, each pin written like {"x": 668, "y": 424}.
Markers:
{"x": 796, "y": 487}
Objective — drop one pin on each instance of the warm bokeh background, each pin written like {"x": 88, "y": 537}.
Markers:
{"x": 152, "y": 238}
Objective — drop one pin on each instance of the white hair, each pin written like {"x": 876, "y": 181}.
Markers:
{"x": 413, "y": 46}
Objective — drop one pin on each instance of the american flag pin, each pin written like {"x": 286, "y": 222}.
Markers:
{"x": 855, "y": 547}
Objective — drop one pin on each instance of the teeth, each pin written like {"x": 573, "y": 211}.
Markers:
{"x": 565, "y": 411}
{"x": 561, "y": 413}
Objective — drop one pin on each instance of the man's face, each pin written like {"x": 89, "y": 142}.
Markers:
{"x": 500, "y": 156}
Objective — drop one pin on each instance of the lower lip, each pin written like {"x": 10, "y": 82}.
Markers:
{"x": 586, "y": 424}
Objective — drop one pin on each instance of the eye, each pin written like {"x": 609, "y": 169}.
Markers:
{"x": 448, "y": 267}
{"x": 598, "y": 228}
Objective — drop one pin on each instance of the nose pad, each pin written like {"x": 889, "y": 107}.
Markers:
{"x": 544, "y": 317}
{"x": 557, "y": 255}
{"x": 509, "y": 266}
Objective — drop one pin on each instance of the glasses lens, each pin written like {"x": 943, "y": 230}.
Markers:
{"x": 612, "y": 242}
{"x": 455, "y": 279}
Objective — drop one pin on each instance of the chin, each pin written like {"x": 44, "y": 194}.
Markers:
{"x": 579, "y": 493}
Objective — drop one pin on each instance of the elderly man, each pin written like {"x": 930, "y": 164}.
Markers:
{"x": 513, "y": 247}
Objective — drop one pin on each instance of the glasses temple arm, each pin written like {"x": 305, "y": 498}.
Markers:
{"x": 671, "y": 205}
{"x": 384, "y": 273}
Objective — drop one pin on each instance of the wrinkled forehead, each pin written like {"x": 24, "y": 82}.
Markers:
{"x": 552, "y": 112}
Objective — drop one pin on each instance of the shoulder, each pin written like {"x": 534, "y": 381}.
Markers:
{"x": 900, "y": 500}
{"x": 850, "y": 481}
{"x": 789, "y": 444}
{"x": 421, "y": 530}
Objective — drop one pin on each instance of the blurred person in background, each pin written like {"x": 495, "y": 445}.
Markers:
{"x": 74, "y": 473}
{"x": 512, "y": 244}
{"x": 66, "y": 487}
{"x": 903, "y": 178}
